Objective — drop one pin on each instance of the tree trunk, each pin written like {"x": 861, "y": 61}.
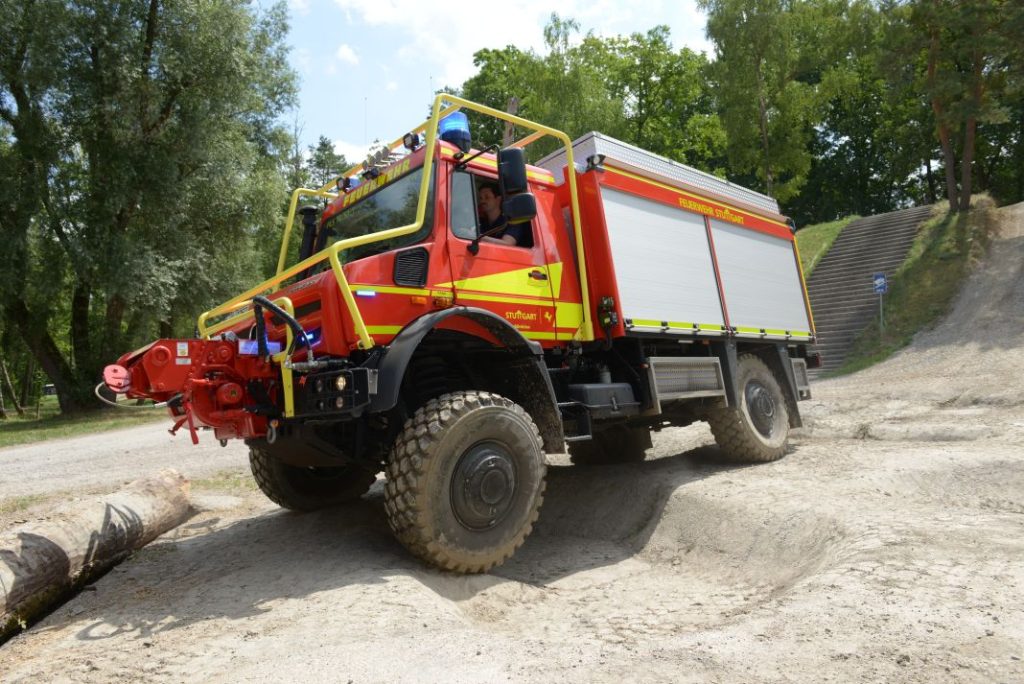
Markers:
{"x": 112, "y": 324}
{"x": 81, "y": 345}
{"x": 37, "y": 338}
{"x": 28, "y": 380}
{"x": 966, "y": 164}
{"x": 940, "y": 122}
{"x": 977, "y": 91}
{"x": 930, "y": 177}
{"x": 40, "y": 563}
{"x": 763, "y": 124}
{"x": 9, "y": 388}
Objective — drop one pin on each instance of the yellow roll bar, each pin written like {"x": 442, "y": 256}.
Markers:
{"x": 443, "y": 105}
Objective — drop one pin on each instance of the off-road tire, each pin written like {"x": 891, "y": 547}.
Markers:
{"x": 307, "y": 489}
{"x": 620, "y": 444}
{"x": 736, "y": 428}
{"x": 488, "y": 444}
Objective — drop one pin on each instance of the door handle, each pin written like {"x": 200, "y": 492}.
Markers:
{"x": 537, "y": 274}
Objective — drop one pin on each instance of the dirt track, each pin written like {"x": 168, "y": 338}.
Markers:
{"x": 888, "y": 546}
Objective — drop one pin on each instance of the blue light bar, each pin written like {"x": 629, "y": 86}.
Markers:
{"x": 454, "y": 128}
{"x": 251, "y": 347}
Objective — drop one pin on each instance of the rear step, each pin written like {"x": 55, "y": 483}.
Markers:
{"x": 684, "y": 377}
{"x": 576, "y": 422}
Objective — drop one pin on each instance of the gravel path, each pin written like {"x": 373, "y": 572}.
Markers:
{"x": 108, "y": 459}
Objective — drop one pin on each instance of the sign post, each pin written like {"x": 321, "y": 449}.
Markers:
{"x": 881, "y": 285}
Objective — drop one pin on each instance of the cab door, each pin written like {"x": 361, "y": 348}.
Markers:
{"x": 511, "y": 281}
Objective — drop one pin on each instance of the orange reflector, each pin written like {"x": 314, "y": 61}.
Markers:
{"x": 417, "y": 299}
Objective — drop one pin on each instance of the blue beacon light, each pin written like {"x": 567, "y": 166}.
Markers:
{"x": 454, "y": 128}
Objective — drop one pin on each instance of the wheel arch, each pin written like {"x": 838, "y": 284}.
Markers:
{"x": 531, "y": 387}
{"x": 776, "y": 357}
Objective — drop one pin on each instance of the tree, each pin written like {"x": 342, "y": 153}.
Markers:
{"x": 667, "y": 105}
{"x": 963, "y": 52}
{"x": 324, "y": 163}
{"x": 146, "y": 160}
{"x": 766, "y": 109}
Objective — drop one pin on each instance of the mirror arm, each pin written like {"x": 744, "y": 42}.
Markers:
{"x": 474, "y": 246}
{"x": 463, "y": 160}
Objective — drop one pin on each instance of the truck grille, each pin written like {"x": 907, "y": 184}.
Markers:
{"x": 411, "y": 267}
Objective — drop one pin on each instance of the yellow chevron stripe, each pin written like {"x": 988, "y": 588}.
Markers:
{"x": 511, "y": 283}
{"x": 568, "y": 315}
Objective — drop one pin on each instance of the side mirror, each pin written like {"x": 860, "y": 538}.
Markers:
{"x": 511, "y": 171}
{"x": 520, "y": 208}
{"x": 519, "y": 205}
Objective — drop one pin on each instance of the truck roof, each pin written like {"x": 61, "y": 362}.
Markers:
{"x": 632, "y": 158}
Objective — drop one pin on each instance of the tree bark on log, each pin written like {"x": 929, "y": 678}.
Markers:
{"x": 41, "y": 563}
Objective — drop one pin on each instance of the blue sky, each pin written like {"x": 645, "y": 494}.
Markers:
{"x": 368, "y": 68}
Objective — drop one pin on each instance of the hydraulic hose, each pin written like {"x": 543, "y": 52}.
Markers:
{"x": 117, "y": 404}
{"x": 261, "y": 301}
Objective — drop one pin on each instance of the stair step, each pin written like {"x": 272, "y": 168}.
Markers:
{"x": 840, "y": 289}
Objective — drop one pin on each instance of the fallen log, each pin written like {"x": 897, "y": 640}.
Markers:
{"x": 42, "y": 562}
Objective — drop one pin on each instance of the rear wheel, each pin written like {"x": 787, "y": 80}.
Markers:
{"x": 755, "y": 431}
{"x": 307, "y": 489}
{"x": 465, "y": 481}
{"x": 618, "y": 444}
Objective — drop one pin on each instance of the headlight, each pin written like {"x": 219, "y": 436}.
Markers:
{"x": 341, "y": 382}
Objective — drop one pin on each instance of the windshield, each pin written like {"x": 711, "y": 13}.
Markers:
{"x": 392, "y": 206}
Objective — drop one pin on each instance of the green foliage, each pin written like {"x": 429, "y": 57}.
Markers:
{"x": 922, "y": 291}
{"x": 143, "y": 161}
{"x": 815, "y": 241}
{"x": 637, "y": 88}
{"x": 766, "y": 93}
{"x": 324, "y": 163}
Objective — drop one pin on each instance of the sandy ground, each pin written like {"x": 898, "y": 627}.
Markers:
{"x": 887, "y": 546}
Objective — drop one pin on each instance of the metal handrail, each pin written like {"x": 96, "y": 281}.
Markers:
{"x": 330, "y": 254}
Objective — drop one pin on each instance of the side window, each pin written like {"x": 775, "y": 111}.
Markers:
{"x": 463, "y": 206}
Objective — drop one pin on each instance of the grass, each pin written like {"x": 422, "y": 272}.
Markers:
{"x": 16, "y": 504}
{"x": 922, "y": 291}
{"x": 815, "y": 241}
{"x": 235, "y": 481}
{"x": 52, "y": 425}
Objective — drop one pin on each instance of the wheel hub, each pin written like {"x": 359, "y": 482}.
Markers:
{"x": 761, "y": 407}
{"x": 483, "y": 485}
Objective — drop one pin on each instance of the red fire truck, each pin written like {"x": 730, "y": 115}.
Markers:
{"x": 641, "y": 294}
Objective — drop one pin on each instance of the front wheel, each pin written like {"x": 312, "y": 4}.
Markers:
{"x": 755, "y": 431}
{"x": 465, "y": 481}
{"x": 307, "y": 489}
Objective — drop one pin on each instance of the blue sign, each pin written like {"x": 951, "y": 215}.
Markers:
{"x": 880, "y": 283}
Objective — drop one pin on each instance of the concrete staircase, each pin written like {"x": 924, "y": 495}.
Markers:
{"x": 841, "y": 290}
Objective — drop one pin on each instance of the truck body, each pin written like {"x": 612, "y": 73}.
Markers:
{"x": 647, "y": 295}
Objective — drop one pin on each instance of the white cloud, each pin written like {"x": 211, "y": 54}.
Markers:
{"x": 346, "y": 54}
{"x": 300, "y": 7}
{"x": 391, "y": 86}
{"x": 448, "y": 44}
{"x": 354, "y": 154}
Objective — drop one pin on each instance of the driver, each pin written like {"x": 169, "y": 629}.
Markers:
{"x": 515, "y": 234}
